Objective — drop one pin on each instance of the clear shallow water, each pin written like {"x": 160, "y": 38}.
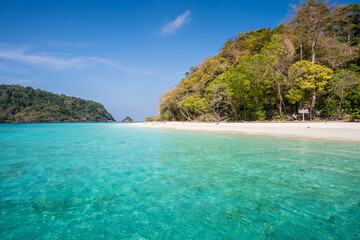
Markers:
{"x": 97, "y": 180}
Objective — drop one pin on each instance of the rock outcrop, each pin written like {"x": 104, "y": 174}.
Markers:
{"x": 128, "y": 119}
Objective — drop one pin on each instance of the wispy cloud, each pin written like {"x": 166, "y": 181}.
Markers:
{"x": 69, "y": 44}
{"x": 60, "y": 61}
{"x": 119, "y": 66}
{"x": 43, "y": 59}
{"x": 180, "y": 21}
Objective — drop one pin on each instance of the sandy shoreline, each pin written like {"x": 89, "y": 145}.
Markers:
{"x": 336, "y": 131}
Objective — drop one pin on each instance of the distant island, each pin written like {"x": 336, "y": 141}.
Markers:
{"x": 310, "y": 64}
{"x": 27, "y": 105}
{"x": 128, "y": 119}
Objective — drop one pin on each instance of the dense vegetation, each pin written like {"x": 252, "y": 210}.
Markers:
{"x": 24, "y": 104}
{"x": 311, "y": 62}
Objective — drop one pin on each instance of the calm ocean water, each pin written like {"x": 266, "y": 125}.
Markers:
{"x": 110, "y": 181}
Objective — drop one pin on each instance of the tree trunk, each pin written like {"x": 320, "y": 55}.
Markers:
{"x": 340, "y": 103}
{"x": 313, "y": 100}
{"x": 301, "y": 52}
{"x": 281, "y": 102}
{"x": 185, "y": 115}
{"x": 349, "y": 41}
{"x": 313, "y": 46}
{"x": 339, "y": 111}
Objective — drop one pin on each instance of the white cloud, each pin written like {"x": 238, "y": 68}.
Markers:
{"x": 180, "y": 21}
{"x": 46, "y": 60}
{"x": 59, "y": 61}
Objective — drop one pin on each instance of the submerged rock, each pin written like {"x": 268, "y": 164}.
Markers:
{"x": 128, "y": 119}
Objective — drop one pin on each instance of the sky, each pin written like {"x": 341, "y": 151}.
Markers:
{"x": 124, "y": 54}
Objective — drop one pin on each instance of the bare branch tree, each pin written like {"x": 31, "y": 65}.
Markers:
{"x": 311, "y": 23}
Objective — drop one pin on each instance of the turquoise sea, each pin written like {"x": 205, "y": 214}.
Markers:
{"x": 111, "y": 181}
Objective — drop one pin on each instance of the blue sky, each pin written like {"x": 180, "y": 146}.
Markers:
{"x": 123, "y": 54}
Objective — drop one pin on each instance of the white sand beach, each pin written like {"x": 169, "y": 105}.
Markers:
{"x": 337, "y": 131}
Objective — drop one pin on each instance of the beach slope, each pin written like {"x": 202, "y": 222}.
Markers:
{"x": 337, "y": 131}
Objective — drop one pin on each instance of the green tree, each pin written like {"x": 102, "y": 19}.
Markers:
{"x": 256, "y": 70}
{"x": 307, "y": 82}
{"x": 194, "y": 106}
{"x": 343, "y": 82}
{"x": 347, "y": 24}
{"x": 238, "y": 87}
{"x": 279, "y": 59}
{"x": 220, "y": 98}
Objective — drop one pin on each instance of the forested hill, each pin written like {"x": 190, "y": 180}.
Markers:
{"x": 312, "y": 62}
{"x": 27, "y": 105}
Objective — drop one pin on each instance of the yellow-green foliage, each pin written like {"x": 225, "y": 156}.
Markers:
{"x": 307, "y": 79}
{"x": 195, "y": 104}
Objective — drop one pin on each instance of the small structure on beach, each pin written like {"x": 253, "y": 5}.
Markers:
{"x": 303, "y": 111}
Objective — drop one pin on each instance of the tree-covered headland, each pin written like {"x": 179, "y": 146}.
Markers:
{"x": 27, "y": 105}
{"x": 311, "y": 62}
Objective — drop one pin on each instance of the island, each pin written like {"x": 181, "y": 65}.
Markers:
{"x": 20, "y": 104}
{"x": 128, "y": 119}
{"x": 310, "y": 64}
